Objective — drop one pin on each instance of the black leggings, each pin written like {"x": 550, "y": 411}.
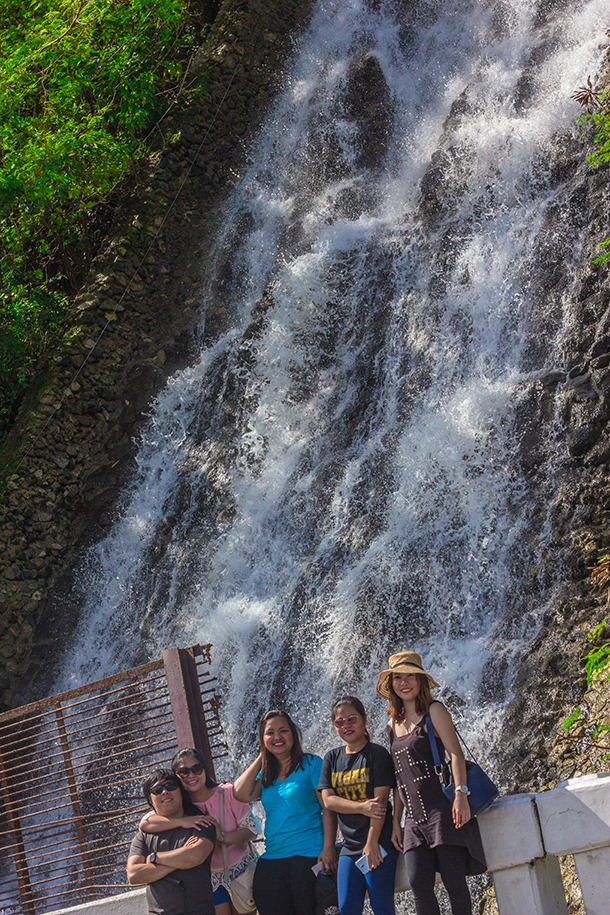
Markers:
{"x": 423, "y": 862}
{"x": 285, "y": 886}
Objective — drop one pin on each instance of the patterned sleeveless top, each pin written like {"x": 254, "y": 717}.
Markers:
{"x": 428, "y": 813}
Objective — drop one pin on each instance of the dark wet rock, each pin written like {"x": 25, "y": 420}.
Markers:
{"x": 368, "y": 103}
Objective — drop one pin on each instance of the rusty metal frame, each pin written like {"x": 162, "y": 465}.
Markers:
{"x": 71, "y": 768}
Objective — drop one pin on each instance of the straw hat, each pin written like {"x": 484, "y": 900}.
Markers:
{"x": 405, "y": 662}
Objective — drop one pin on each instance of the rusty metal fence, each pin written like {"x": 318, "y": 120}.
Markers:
{"x": 71, "y": 767}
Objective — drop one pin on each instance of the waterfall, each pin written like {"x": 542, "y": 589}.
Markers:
{"x": 364, "y": 461}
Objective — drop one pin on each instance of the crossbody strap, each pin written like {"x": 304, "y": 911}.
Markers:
{"x": 438, "y": 768}
{"x": 225, "y": 862}
{"x": 434, "y": 746}
{"x": 466, "y": 747}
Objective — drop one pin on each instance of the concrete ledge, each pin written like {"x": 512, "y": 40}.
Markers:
{"x": 531, "y": 889}
{"x": 575, "y": 816}
{"x": 510, "y": 832}
{"x": 131, "y": 902}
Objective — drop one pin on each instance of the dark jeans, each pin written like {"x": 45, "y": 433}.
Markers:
{"x": 423, "y": 862}
{"x": 285, "y": 886}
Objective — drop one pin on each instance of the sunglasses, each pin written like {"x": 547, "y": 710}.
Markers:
{"x": 183, "y": 771}
{"x": 351, "y": 720}
{"x": 164, "y": 786}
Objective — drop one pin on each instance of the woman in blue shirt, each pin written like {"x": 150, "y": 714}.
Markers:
{"x": 298, "y": 832}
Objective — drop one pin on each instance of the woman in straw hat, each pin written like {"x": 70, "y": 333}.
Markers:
{"x": 436, "y": 836}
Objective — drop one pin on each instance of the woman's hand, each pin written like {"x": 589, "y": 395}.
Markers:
{"x": 328, "y": 857}
{"x": 374, "y": 808}
{"x": 195, "y": 822}
{"x": 373, "y": 854}
{"x": 461, "y": 809}
{"x": 192, "y": 842}
{"x": 397, "y": 835}
{"x": 206, "y": 819}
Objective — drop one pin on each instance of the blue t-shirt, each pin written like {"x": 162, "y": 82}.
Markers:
{"x": 293, "y": 816}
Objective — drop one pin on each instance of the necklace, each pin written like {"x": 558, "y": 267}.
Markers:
{"x": 409, "y": 723}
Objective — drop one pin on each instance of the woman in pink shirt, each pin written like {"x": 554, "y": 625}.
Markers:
{"x": 240, "y": 824}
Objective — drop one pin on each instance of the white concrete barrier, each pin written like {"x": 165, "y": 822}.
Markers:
{"x": 575, "y": 820}
{"x": 131, "y": 902}
{"x": 523, "y": 835}
{"x": 527, "y": 881}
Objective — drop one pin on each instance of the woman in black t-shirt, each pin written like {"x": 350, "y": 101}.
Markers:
{"x": 355, "y": 782}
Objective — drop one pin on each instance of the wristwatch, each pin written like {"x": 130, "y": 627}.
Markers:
{"x": 153, "y": 857}
{"x": 463, "y": 788}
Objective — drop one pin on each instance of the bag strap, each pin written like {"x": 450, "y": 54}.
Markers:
{"x": 443, "y": 771}
{"x": 466, "y": 747}
{"x": 225, "y": 861}
{"x": 434, "y": 748}
{"x": 438, "y": 768}
{"x": 433, "y": 744}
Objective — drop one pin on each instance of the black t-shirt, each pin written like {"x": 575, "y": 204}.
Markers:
{"x": 183, "y": 892}
{"x": 356, "y": 776}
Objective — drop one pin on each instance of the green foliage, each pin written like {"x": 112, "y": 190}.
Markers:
{"x": 82, "y": 83}
{"x": 601, "y": 119}
{"x": 597, "y": 659}
{"x": 572, "y": 717}
{"x": 29, "y": 324}
{"x": 597, "y": 667}
{"x": 598, "y": 114}
{"x": 603, "y": 257}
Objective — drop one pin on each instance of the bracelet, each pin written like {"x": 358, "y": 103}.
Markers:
{"x": 224, "y": 837}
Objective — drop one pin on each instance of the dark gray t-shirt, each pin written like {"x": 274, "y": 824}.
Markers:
{"x": 183, "y": 892}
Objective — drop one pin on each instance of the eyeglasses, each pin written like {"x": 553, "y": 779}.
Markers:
{"x": 183, "y": 771}
{"x": 351, "y": 719}
{"x": 164, "y": 786}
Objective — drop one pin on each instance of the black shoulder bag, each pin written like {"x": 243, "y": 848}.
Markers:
{"x": 482, "y": 790}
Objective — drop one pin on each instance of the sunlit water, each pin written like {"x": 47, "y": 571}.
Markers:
{"x": 340, "y": 475}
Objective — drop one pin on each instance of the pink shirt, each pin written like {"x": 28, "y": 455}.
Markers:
{"x": 237, "y": 815}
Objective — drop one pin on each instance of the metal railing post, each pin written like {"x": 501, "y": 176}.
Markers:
{"x": 78, "y": 819}
{"x": 16, "y": 836}
{"x": 187, "y": 707}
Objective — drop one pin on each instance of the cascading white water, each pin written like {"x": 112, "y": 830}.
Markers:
{"x": 343, "y": 474}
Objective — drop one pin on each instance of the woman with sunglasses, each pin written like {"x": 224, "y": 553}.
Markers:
{"x": 240, "y": 824}
{"x": 299, "y": 833}
{"x": 173, "y": 865}
{"x": 356, "y": 782}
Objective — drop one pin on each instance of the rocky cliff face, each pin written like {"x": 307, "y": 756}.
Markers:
{"x": 550, "y": 679}
{"x": 72, "y": 448}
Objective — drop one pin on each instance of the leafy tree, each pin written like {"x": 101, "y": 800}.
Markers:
{"x": 82, "y": 85}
